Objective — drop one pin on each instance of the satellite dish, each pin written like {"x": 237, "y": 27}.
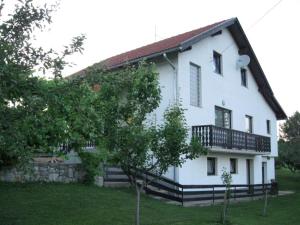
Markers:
{"x": 243, "y": 61}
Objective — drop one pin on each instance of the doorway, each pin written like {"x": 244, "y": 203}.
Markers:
{"x": 264, "y": 172}
{"x": 249, "y": 175}
{"x": 248, "y": 171}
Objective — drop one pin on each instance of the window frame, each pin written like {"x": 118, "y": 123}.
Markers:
{"x": 244, "y": 77}
{"x": 235, "y": 160}
{"x": 218, "y": 62}
{"x": 250, "y": 131}
{"x": 214, "y": 160}
{"x": 199, "y": 86}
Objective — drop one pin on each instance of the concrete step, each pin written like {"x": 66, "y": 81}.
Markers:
{"x": 113, "y": 169}
{"x": 111, "y": 177}
{"x": 116, "y": 184}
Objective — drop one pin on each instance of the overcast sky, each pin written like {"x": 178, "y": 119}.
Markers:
{"x": 115, "y": 26}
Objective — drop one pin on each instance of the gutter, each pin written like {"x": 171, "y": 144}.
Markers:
{"x": 175, "y": 75}
{"x": 151, "y": 56}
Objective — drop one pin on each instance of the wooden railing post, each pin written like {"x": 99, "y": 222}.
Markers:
{"x": 210, "y": 135}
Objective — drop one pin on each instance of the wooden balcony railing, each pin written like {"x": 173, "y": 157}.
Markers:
{"x": 211, "y": 135}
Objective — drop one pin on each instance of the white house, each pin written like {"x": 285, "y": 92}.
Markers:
{"x": 228, "y": 100}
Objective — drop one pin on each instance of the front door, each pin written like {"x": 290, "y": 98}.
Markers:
{"x": 248, "y": 171}
{"x": 264, "y": 172}
{"x": 248, "y": 174}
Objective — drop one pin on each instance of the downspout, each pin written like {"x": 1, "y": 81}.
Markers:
{"x": 175, "y": 98}
{"x": 175, "y": 75}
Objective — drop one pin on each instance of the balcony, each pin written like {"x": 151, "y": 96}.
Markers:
{"x": 212, "y": 136}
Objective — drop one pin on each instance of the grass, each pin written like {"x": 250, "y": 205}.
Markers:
{"x": 76, "y": 204}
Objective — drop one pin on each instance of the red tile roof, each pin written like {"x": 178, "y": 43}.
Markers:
{"x": 185, "y": 40}
{"x": 155, "y": 47}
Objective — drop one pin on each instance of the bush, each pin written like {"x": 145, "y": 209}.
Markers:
{"x": 91, "y": 163}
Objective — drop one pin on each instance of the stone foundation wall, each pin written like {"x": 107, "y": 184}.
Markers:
{"x": 45, "y": 172}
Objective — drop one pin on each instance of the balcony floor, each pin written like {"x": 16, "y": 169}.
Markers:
{"x": 236, "y": 151}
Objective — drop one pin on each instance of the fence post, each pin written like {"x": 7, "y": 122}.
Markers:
{"x": 234, "y": 197}
{"x": 182, "y": 196}
{"x": 213, "y": 195}
{"x": 104, "y": 172}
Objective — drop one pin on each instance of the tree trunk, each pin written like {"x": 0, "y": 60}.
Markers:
{"x": 138, "y": 199}
{"x": 224, "y": 208}
{"x": 266, "y": 202}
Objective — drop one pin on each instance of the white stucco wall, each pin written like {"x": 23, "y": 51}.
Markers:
{"x": 224, "y": 88}
{"x": 195, "y": 172}
{"x": 216, "y": 90}
{"x": 167, "y": 87}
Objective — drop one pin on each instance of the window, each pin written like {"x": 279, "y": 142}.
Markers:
{"x": 268, "y": 127}
{"x": 195, "y": 85}
{"x": 244, "y": 77}
{"x": 217, "y": 58}
{"x": 222, "y": 117}
{"x": 249, "y": 125}
{"x": 233, "y": 166}
{"x": 211, "y": 166}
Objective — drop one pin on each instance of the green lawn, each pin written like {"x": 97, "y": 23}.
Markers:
{"x": 75, "y": 204}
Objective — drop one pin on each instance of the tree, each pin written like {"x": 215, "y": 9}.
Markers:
{"x": 289, "y": 143}
{"x": 36, "y": 114}
{"x": 74, "y": 120}
{"x": 290, "y": 130}
{"x": 127, "y": 98}
{"x": 289, "y": 154}
{"x": 226, "y": 180}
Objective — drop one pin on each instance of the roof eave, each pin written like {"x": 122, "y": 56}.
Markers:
{"x": 147, "y": 57}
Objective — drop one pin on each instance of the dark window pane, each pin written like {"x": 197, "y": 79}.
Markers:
{"x": 244, "y": 77}
{"x": 233, "y": 166}
{"x": 211, "y": 166}
{"x": 222, "y": 117}
{"x": 217, "y": 62}
{"x": 219, "y": 118}
{"x": 268, "y": 127}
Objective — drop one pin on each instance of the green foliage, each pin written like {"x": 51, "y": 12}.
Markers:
{"x": 36, "y": 114}
{"x": 289, "y": 144}
{"x": 91, "y": 163}
{"x": 226, "y": 178}
{"x": 290, "y": 130}
{"x": 289, "y": 154}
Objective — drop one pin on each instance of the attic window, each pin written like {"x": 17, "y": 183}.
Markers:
{"x": 244, "y": 77}
{"x": 268, "y": 127}
{"x": 217, "y": 58}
